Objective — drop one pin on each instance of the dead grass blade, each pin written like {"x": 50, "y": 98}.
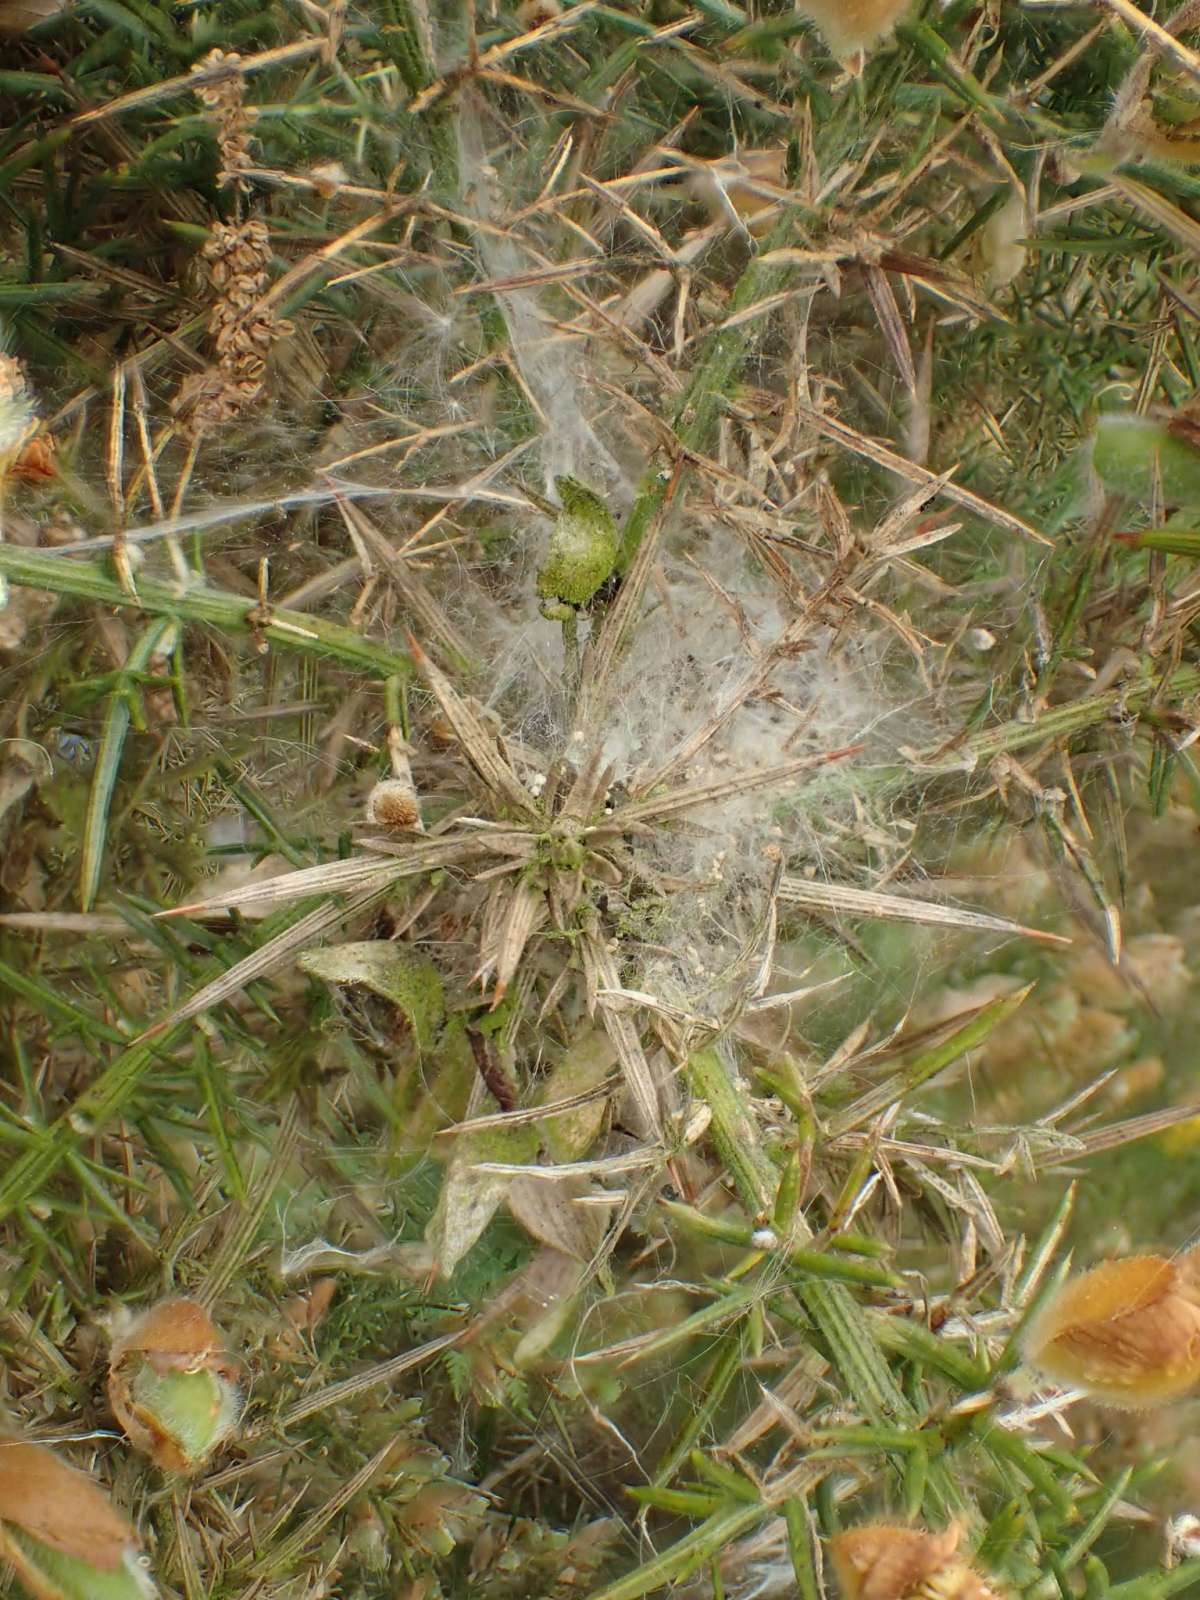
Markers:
{"x": 479, "y": 743}
{"x": 899, "y": 908}
{"x": 525, "y": 912}
{"x": 1158, "y": 37}
{"x": 1120, "y": 1133}
{"x": 331, "y": 877}
{"x": 1159, "y": 209}
{"x": 336, "y": 1394}
{"x": 266, "y": 959}
{"x": 871, "y": 450}
{"x": 658, "y": 808}
{"x": 883, "y": 300}
{"x": 188, "y": 82}
{"x": 626, "y": 1041}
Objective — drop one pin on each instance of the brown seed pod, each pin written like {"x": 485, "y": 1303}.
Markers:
{"x": 56, "y": 1527}
{"x": 1127, "y": 1332}
{"x": 173, "y": 1386}
{"x": 884, "y": 1561}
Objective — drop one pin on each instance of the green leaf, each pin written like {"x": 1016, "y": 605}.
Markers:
{"x": 734, "y": 1131}
{"x": 1175, "y": 540}
{"x": 685, "y": 1556}
{"x": 108, "y": 761}
{"x": 394, "y": 972}
{"x": 929, "y": 1064}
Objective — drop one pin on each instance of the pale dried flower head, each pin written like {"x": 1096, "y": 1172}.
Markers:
{"x": 1127, "y": 1332}
{"x": 327, "y": 177}
{"x": 393, "y": 803}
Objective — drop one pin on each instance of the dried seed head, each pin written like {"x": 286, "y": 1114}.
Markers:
{"x": 851, "y": 27}
{"x": 231, "y": 117}
{"x": 1127, "y": 1332}
{"x": 172, "y": 1385}
{"x": 241, "y": 328}
{"x": 393, "y": 803}
{"x": 881, "y": 1561}
{"x": 60, "y": 1532}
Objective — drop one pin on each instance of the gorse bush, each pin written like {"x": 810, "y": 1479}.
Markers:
{"x": 599, "y": 681}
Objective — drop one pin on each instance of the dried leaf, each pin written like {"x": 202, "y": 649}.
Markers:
{"x": 18, "y": 15}
{"x": 470, "y": 1198}
{"x": 549, "y": 1213}
{"x": 900, "y": 908}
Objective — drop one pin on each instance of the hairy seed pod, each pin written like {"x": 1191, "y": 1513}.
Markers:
{"x": 883, "y": 1561}
{"x": 173, "y": 1387}
{"x": 1001, "y": 252}
{"x": 393, "y": 802}
{"x": 59, "y": 1532}
{"x": 1127, "y": 1332}
{"x": 582, "y": 549}
{"x": 851, "y": 27}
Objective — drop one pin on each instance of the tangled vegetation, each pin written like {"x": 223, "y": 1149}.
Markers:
{"x": 599, "y": 678}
